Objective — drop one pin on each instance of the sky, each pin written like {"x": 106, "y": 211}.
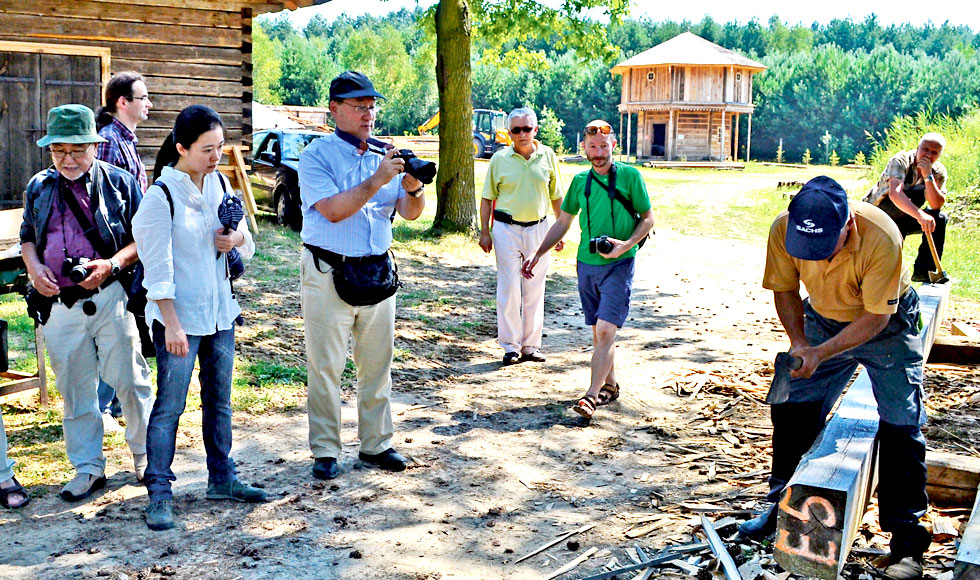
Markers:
{"x": 721, "y": 11}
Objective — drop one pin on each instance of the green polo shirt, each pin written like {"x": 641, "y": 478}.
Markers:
{"x": 523, "y": 188}
{"x": 615, "y": 223}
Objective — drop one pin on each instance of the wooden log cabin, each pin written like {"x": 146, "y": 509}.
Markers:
{"x": 54, "y": 52}
{"x": 687, "y": 95}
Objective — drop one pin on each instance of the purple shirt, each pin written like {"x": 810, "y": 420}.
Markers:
{"x": 65, "y": 236}
{"x": 120, "y": 150}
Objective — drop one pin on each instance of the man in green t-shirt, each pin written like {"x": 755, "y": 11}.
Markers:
{"x": 610, "y": 194}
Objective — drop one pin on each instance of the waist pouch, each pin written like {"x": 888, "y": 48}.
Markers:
{"x": 363, "y": 281}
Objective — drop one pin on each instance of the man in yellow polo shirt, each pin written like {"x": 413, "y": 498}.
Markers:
{"x": 523, "y": 180}
{"x": 860, "y": 310}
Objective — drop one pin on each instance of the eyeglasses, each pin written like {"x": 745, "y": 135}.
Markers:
{"x": 144, "y": 98}
{"x": 363, "y": 109}
{"x": 75, "y": 153}
{"x": 604, "y": 129}
{"x": 517, "y": 130}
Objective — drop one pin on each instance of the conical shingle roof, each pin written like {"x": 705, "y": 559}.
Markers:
{"x": 688, "y": 49}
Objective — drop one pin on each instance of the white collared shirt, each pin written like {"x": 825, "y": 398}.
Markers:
{"x": 179, "y": 257}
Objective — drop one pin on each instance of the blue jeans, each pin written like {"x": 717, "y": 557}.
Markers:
{"x": 216, "y": 353}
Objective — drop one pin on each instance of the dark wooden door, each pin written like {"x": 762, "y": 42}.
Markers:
{"x": 659, "y": 146}
{"x": 30, "y": 84}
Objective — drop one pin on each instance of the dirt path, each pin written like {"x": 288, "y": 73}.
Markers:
{"x": 500, "y": 464}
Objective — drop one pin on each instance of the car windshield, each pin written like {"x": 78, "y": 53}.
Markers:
{"x": 294, "y": 143}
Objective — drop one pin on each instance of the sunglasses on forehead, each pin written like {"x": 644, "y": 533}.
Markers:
{"x": 517, "y": 130}
{"x": 604, "y": 129}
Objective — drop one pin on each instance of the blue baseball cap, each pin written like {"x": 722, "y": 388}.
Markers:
{"x": 352, "y": 84}
{"x": 816, "y": 217}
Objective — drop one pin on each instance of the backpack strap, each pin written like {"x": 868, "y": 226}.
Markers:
{"x": 166, "y": 192}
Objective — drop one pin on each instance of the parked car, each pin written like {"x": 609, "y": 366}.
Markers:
{"x": 275, "y": 161}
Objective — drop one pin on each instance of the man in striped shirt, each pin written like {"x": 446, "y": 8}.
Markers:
{"x": 127, "y": 104}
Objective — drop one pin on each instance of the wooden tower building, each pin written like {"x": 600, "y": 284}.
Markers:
{"x": 687, "y": 94}
{"x": 54, "y": 52}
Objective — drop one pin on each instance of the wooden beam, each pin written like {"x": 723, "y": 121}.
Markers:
{"x": 953, "y": 479}
{"x": 963, "y": 329}
{"x": 961, "y": 350}
{"x": 748, "y": 140}
{"x": 824, "y": 501}
{"x": 967, "y": 566}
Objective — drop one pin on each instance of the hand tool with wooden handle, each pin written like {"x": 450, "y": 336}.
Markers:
{"x": 939, "y": 275}
{"x": 779, "y": 391}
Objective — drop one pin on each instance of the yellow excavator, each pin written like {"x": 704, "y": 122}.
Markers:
{"x": 490, "y": 131}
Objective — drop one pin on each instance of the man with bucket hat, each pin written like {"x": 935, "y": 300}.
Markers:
{"x": 861, "y": 309}
{"x": 76, "y": 240}
{"x": 351, "y": 188}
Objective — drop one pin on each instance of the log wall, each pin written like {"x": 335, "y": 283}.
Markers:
{"x": 190, "y": 51}
{"x": 700, "y": 84}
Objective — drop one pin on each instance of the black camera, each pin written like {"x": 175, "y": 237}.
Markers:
{"x": 424, "y": 171}
{"x": 600, "y": 245}
{"x": 75, "y": 269}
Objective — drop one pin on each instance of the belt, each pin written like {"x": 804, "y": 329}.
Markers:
{"x": 69, "y": 295}
{"x": 506, "y": 219}
{"x": 335, "y": 259}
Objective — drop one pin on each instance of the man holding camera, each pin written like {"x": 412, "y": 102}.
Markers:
{"x": 912, "y": 191}
{"x": 523, "y": 180}
{"x": 617, "y": 216}
{"x": 351, "y": 189}
{"x": 76, "y": 238}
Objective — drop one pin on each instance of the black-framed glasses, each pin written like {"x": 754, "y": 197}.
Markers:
{"x": 75, "y": 153}
{"x": 518, "y": 130}
{"x": 144, "y": 98}
{"x": 604, "y": 129}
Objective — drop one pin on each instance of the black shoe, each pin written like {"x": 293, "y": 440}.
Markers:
{"x": 920, "y": 277}
{"x": 533, "y": 357}
{"x": 389, "y": 460}
{"x": 510, "y": 358}
{"x": 325, "y": 468}
{"x": 761, "y": 527}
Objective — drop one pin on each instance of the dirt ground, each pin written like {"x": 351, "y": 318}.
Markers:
{"x": 500, "y": 466}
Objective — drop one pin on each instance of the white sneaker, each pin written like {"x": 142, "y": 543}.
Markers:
{"x": 109, "y": 425}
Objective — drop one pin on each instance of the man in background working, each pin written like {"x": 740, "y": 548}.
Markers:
{"x": 912, "y": 190}
{"x": 523, "y": 180}
{"x": 861, "y": 309}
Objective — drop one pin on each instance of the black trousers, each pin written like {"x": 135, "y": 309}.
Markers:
{"x": 909, "y": 225}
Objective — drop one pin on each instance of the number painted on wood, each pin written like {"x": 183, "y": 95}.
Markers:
{"x": 819, "y": 549}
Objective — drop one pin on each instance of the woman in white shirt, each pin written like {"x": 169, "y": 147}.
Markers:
{"x": 190, "y": 306}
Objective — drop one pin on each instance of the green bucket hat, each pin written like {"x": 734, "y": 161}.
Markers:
{"x": 70, "y": 124}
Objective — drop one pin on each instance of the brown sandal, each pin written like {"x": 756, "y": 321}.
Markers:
{"x": 607, "y": 394}
{"x": 585, "y": 407}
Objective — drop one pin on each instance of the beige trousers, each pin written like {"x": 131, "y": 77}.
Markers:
{"x": 330, "y": 325}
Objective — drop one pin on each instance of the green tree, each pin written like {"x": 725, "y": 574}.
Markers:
{"x": 549, "y": 131}
{"x": 265, "y": 68}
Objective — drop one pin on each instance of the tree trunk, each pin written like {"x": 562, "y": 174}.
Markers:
{"x": 455, "y": 195}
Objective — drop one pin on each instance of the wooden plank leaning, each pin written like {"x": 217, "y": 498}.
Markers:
{"x": 824, "y": 501}
{"x": 967, "y": 565}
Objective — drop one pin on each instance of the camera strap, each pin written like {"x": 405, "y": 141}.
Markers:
{"x": 588, "y": 193}
{"x": 364, "y": 145}
{"x": 90, "y": 232}
{"x": 371, "y": 144}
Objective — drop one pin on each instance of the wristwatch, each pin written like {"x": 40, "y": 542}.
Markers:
{"x": 417, "y": 192}
{"x": 929, "y": 178}
{"x": 115, "y": 266}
